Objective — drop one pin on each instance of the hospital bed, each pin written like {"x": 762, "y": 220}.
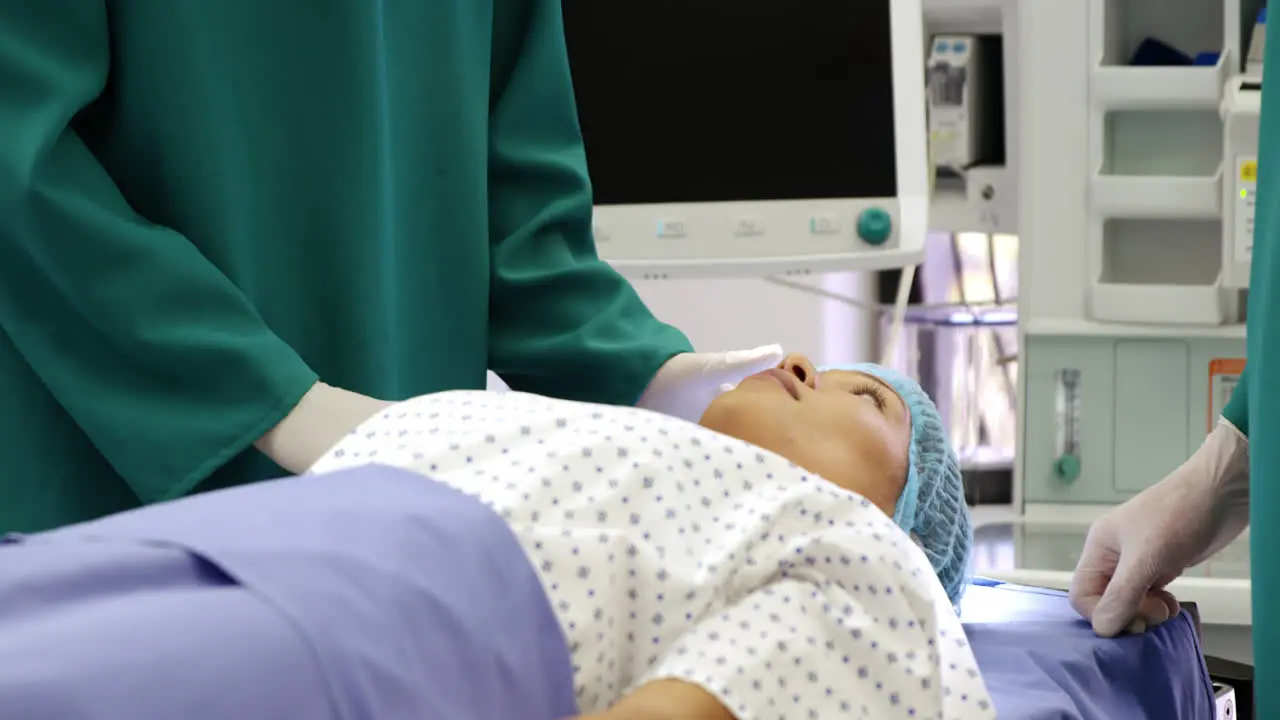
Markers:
{"x": 413, "y": 600}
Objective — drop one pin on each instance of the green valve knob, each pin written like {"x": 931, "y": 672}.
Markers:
{"x": 1067, "y": 468}
{"x": 875, "y": 226}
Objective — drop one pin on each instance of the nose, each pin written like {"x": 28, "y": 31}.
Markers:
{"x": 799, "y": 365}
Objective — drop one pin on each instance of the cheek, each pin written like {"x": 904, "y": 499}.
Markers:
{"x": 896, "y": 450}
{"x": 877, "y": 464}
{"x": 879, "y": 442}
{"x": 886, "y": 476}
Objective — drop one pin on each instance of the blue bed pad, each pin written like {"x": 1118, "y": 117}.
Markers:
{"x": 374, "y": 593}
{"x": 370, "y": 594}
{"x": 1042, "y": 662}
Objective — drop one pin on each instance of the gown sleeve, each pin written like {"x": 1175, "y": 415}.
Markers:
{"x": 1237, "y": 410}
{"x": 154, "y": 353}
{"x": 562, "y": 322}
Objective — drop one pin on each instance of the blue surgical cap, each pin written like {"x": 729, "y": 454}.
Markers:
{"x": 932, "y": 507}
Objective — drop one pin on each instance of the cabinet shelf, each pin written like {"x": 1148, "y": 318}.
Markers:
{"x": 1157, "y": 196}
{"x": 1159, "y": 270}
{"x": 1055, "y": 327}
{"x": 1159, "y": 88}
{"x": 1163, "y": 304}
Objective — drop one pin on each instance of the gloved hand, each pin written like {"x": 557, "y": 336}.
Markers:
{"x": 1138, "y": 548}
{"x": 323, "y": 417}
{"x": 687, "y": 383}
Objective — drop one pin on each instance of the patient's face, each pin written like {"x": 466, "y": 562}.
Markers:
{"x": 850, "y": 428}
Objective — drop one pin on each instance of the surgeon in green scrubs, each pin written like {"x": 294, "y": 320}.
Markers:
{"x": 1138, "y": 548}
{"x": 237, "y": 223}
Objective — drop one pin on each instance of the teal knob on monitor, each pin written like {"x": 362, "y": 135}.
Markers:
{"x": 875, "y": 226}
{"x": 1067, "y": 467}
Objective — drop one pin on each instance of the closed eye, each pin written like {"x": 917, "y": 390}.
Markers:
{"x": 872, "y": 392}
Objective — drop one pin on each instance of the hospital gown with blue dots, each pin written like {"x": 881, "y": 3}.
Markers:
{"x": 671, "y": 551}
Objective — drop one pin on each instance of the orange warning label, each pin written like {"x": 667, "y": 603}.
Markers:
{"x": 1224, "y": 373}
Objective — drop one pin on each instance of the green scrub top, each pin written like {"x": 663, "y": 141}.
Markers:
{"x": 204, "y": 206}
{"x": 1263, "y": 423}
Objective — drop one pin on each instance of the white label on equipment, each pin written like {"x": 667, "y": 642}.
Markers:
{"x": 824, "y": 225}
{"x": 1224, "y": 375}
{"x": 748, "y": 227}
{"x": 1221, "y": 389}
{"x": 1245, "y": 203}
{"x": 671, "y": 229}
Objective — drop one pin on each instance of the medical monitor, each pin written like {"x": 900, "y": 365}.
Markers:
{"x": 748, "y": 137}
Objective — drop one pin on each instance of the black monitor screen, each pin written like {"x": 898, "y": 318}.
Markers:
{"x": 723, "y": 100}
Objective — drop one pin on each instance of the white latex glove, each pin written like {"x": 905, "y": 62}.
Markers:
{"x": 324, "y": 416}
{"x": 1138, "y": 548}
{"x": 687, "y": 383}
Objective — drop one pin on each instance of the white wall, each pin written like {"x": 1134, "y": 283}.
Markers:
{"x": 744, "y": 313}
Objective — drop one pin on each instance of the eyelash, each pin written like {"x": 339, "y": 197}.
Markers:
{"x": 873, "y": 392}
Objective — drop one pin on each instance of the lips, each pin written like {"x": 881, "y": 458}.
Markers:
{"x": 783, "y": 378}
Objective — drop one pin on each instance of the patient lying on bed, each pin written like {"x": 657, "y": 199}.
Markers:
{"x": 797, "y": 555}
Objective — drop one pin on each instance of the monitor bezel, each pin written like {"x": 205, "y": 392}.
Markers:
{"x": 673, "y": 240}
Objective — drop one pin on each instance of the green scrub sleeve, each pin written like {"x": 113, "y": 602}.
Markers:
{"x": 562, "y": 322}
{"x": 1237, "y": 410}
{"x": 153, "y": 352}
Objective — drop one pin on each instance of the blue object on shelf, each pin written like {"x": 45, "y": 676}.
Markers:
{"x": 1262, "y": 16}
{"x": 1153, "y": 52}
{"x": 1206, "y": 59}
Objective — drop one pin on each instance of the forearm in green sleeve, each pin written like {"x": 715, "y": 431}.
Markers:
{"x": 1237, "y": 410}
{"x": 562, "y": 322}
{"x": 157, "y": 356}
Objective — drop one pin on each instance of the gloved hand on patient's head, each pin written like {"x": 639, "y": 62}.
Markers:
{"x": 687, "y": 383}
{"x": 868, "y": 429}
{"x": 1134, "y": 551}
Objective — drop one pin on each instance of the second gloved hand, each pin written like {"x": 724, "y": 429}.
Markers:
{"x": 323, "y": 417}
{"x": 1138, "y": 548}
{"x": 687, "y": 383}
